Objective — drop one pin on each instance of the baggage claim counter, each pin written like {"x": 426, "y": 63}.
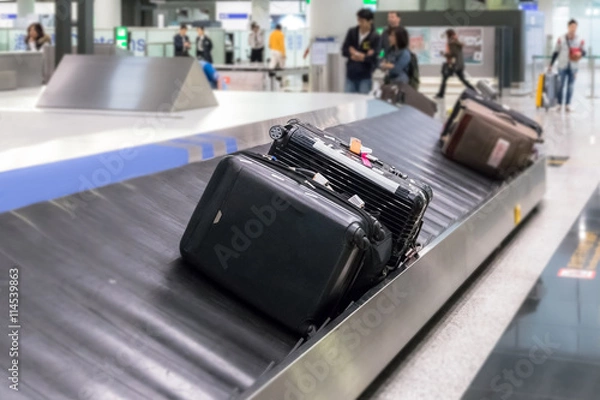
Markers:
{"x": 111, "y": 311}
{"x": 256, "y": 76}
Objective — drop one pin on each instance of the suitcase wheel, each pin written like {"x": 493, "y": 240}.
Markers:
{"x": 277, "y": 132}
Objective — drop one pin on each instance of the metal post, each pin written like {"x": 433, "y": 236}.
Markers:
{"x": 63, "y": 29}
{"x": 85, "y": 27}
{"x": 593, "y": 68}
{"x": 533, "y": 77}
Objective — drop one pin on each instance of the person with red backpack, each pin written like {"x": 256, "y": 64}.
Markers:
{"x": 569, "y": 50}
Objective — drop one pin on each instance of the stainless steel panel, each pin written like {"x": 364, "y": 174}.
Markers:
{"x": 8, "y": 80}
{"x": 128, "y": 84}
{"x": 107, "y": 49}
{"x": 28, "y": 66}
{"x": 342, "y": 360}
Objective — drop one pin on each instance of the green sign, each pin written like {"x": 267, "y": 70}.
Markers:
{"x": 370, "y": 2}
{"x": 121, "y": 37}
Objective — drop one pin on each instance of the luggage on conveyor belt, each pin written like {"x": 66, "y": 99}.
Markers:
{"x": 398, "y": 201}
{"x": 547, "y": 90}
{"x": 492, "y": 105}
{"x": 487, "y": 90}
{"x": 488, "y": 141}
{"x": 283, "y": 242}
{"x": 403, "y": 93}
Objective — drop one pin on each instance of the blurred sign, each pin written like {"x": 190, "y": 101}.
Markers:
{"x": 429, "y": 44}
{"x": 121, "y": 37}
{"x": 233, "y": 16}
{"x": 370, "y": 4}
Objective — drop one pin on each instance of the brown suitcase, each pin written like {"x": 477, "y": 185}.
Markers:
{"x": 403, "y": 93}
{"x": 488, "y": 141}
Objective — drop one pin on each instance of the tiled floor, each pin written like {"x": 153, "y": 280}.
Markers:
{"x": 449, "y": 355}
{"x": 551, "y": 349}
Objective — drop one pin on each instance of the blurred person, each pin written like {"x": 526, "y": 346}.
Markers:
{"x": 229, "y": 48}
{"x": 256, "y": 41}
{"x": 397, "y": 59}
{"x": 569, "y": 50}
{"x": 36, "y": 39}
{"x": 393, "y": 22}
{"x": 203, "y": 46}
{"x": 361, "y": 48}
{"x": 455, "y": 63}
{"x": 181, "y": 41}
{"x": 277, "y": 48}
{"x": 211, "y": 73}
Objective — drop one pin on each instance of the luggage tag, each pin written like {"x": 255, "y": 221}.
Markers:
{"x": 355, "y": 146}
{"x": 365, "y": 161}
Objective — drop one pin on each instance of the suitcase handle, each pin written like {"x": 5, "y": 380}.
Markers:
{"x": 510, "y": 119}
{"x": 506, "y": 117}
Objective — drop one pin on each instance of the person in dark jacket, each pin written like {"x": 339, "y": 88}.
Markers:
{"x": 203, "y": 46}
{"x": 181, "y": 41}
{"x": 455, "y": 63}
{"x": 36, "y": 38}
{"x": 361, "y": 48}
{"x": 397, "y": 58}
{"x": 393, "y": 22}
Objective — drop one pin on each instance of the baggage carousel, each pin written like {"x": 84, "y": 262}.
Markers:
{"x": 110, "y": 311}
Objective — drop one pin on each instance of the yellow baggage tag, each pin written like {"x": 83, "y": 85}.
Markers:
{"x": 355, "y": 146}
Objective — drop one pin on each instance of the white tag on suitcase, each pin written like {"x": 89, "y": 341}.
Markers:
{"x": 500, "y": 150}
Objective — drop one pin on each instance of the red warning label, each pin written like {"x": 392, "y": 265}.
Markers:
{"x": 576, "y": 273}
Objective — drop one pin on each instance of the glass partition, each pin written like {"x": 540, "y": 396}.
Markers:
{"x": 158, "y": 42}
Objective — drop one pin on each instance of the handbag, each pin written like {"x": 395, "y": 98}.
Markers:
{"x": 575, "y": 53}
{"x": 447, "y": 70}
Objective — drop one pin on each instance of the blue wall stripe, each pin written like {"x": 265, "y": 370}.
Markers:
{"x": 230, "y": 142}
{"x": 22, "y": 187}
{"x": 26, "y": 186}
{"x": 208, "y": 148}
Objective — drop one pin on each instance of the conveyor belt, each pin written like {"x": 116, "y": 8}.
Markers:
{"x": 108, "y": 310}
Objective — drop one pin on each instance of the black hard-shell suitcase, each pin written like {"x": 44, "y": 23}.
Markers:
{"x": 284, "y": 243}
{"x": 396, "y": 200}
{"x": 469, "y": 94}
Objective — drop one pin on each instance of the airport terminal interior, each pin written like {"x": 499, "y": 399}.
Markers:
{"x": 299, "y": 199}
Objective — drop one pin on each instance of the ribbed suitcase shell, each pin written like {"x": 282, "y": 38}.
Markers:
{"x": 397, "y": 201}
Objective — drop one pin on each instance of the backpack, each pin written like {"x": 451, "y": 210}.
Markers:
{"x": 414, "y": 77}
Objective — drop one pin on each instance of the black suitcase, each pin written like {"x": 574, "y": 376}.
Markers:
{"x": 284, "y": 243}
{"x": 397, "y": 201}
{"x": 487, "y": 90}
{"x": 469, "y": 94}
{"x": 403, "y": 93}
